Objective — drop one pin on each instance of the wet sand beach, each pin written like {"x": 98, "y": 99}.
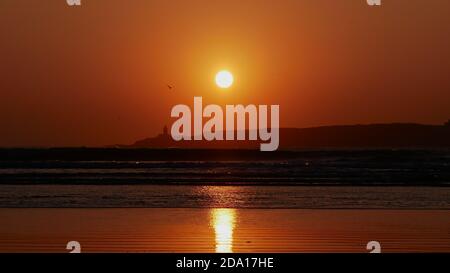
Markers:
{"x": 223, "y": 230}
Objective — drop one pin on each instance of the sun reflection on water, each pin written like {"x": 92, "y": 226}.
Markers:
{"x": 223, "y": 222}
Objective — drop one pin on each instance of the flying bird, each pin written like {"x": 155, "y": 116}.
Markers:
{"x": 170, "y": 86}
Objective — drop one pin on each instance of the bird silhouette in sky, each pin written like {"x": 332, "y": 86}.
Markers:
{"x": 170, "y": 87}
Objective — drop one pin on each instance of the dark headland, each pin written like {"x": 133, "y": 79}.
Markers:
{"x": 397, "y": 135}
{"x": 351, "y": 140}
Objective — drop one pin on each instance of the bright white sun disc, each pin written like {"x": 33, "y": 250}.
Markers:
{"x": 224, "y": 79}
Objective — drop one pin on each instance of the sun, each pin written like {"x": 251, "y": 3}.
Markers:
{"x": 224, "y": 79}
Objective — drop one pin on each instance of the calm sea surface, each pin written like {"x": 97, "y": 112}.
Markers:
{"x": 190, "y": 196}
{"x": 315, "y": 203}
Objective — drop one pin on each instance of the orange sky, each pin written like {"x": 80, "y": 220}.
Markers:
{"x": 97, "y": 74}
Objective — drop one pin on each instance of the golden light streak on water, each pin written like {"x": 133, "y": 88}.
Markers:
{"x": 223, "y": 221}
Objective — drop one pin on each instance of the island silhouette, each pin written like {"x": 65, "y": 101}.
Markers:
{"x": 394, "y": 135}
{"x": 379, "y": 139}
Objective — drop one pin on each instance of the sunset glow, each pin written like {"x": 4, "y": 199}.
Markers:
{"x": 301, "y": 55}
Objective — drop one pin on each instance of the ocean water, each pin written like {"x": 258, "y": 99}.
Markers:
{"x": 374, "y": 179}
{"x": 407, "y": 168}
{"x": 315, "y": 202}
{"x": 191, "y": 196}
